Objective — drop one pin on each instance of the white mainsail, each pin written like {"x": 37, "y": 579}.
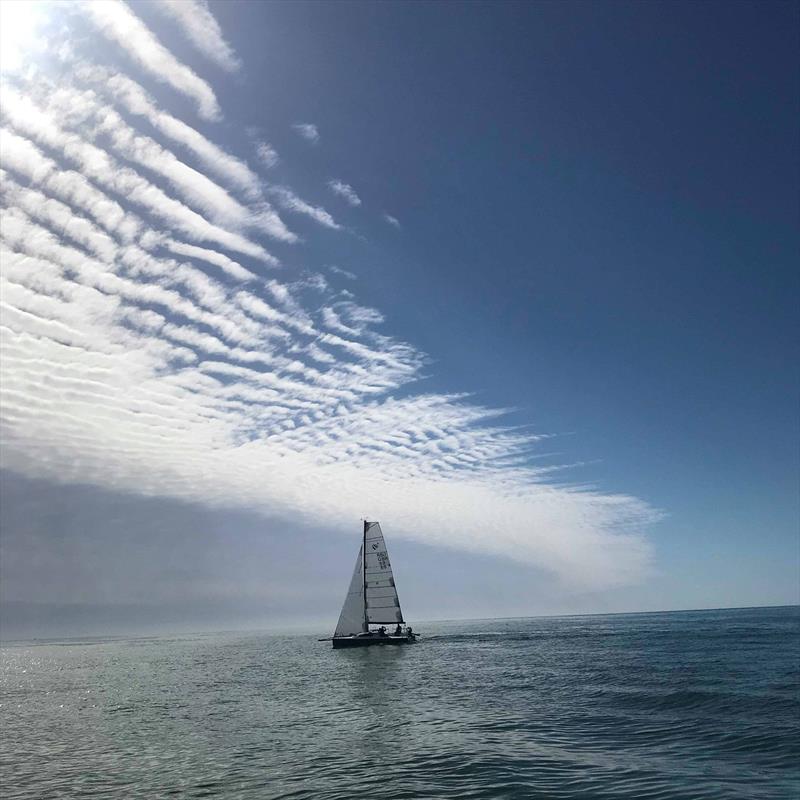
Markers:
{"x": 383, "y": 606}
{"x": 352, "y": 619}
{"x": 372, "y": 596}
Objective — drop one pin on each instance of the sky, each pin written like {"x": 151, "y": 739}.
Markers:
{"x": 516, "y": 279}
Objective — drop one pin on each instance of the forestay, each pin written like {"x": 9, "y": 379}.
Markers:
{"x": 383, "y": 607}
{"x": 352, "y": 619}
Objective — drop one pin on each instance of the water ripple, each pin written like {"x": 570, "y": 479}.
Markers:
{"x": 660, "y": 706}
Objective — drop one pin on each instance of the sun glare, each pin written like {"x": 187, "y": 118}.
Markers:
{"x": 19, "y": 23}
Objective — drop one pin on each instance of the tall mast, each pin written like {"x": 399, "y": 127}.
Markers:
{"x": 364, "y": 568}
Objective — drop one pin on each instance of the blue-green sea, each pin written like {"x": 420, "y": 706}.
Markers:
{"x": 695, "y": 705}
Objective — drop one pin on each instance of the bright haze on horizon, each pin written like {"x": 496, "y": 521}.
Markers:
{"x": 516, "y": 280}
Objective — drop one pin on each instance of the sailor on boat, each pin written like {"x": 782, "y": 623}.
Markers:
{"x": 372, "y": 598}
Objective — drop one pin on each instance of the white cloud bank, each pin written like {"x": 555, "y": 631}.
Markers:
{"x": 146, "y": 347}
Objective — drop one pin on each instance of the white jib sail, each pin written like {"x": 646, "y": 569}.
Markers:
{"x": 383, "y": 607}
{"x": 351, "y": 620}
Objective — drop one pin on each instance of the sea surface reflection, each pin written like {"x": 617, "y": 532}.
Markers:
{"x": 678, "y": 705}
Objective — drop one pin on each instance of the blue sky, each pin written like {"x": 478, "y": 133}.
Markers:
{"x": 583, "y": 214}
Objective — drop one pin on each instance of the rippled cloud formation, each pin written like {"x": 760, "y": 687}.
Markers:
{"x": 152, "y": 341}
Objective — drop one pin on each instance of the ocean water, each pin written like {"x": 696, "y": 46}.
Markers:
{"x": 676, "y": 705}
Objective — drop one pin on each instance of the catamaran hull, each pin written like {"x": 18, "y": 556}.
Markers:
{"x": 370, "y": 641}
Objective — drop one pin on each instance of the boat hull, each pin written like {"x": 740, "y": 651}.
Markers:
{"x": 370, "y": 641}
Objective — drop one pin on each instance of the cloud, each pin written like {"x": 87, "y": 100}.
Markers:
{"x": 73, "y": 108}
{"x": 134, "y": 99}
{"x": 148, "y": 347}
{"x": 96, "y": 164}
{"x": 308, "y": 131}
{"x": 202, "y": 30}
{"x": 212, "y": 257}
{"x": 346, "y": 191}
{"x": 267, "y": 154}
{"x": 287, "y": 199}
{"x": 116, "y": 21}
{"x": 393, "y": 221}
{"x": 343, "y": 272}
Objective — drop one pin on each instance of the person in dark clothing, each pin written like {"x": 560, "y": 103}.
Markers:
{"x": 398, "y": 630}
{"x": 382, "y": 631}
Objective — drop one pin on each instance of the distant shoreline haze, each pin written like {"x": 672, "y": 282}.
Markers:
{"x": 300, "y": 628}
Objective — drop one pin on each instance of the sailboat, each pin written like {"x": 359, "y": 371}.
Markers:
{"x": 371, "y": 598}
